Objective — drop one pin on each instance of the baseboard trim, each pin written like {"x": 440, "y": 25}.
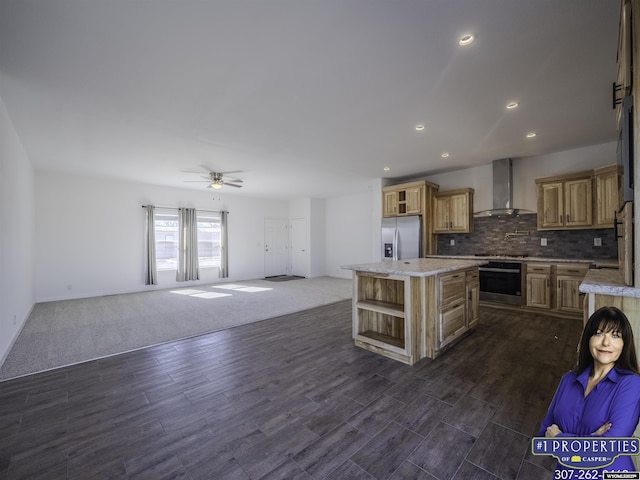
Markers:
{"x": 16, "y": 334}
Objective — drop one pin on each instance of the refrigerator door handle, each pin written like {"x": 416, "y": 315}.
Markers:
{"x": 395, "y": 245}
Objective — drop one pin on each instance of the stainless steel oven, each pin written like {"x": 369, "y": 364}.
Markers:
{"x": 501, "y": 282}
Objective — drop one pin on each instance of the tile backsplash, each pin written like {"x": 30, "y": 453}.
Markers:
{"x": 490, "y": 237}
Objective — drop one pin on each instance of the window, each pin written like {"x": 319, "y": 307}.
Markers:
{"x": 166, "y": 231}
{"x": 208, "y": 239}
{"x": 166, "y": 227}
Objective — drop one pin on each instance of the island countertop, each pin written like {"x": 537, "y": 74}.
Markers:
{"x": 416, "y": 267}
{"x": 608, "y": 282}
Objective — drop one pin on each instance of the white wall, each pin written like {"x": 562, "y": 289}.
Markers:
{"x": 17, "y": 294}
{"x": 352, "y": 231}
{"x": 89, "y": 234}
{"x": 89, "y": 231}
{"x": 525, "y": 171}
{"x": 317, "y": 237}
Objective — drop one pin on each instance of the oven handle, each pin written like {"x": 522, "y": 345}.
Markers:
{"x": 502, "y": 270}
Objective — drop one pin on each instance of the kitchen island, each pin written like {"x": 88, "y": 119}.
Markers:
{"x": 411, "y": 309}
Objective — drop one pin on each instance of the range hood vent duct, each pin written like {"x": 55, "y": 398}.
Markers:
{"x": 502, "y": 191}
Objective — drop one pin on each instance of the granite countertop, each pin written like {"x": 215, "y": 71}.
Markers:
{"x": 418, "y": 267}
{"x": 607, "y": 281}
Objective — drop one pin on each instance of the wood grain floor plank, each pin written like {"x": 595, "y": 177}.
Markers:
{"x": 292, "y": 397}
{"x": 385, "y": 452}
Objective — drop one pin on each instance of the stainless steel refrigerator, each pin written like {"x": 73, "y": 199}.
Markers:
{"x": 401, "y": 237}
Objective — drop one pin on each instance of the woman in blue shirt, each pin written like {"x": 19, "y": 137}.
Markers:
{"x": 601, "y": 396}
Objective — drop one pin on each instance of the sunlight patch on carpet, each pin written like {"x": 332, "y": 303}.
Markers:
{"x": 242, "y": 288}
{"x": 187, "y": 291}
{"x": 210, "y": 295}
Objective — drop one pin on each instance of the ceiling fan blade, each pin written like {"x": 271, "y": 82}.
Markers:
{"x": 197, "y": 181}
{"x": 232, "y": 185}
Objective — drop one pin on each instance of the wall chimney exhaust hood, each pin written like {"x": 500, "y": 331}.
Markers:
{"x": 502, "y": 191}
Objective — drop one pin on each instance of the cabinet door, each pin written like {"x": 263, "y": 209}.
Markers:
{"x": 568, "y": 297}
{"x": 538, "y": 290}
{"x": 578, "y": 202}
{"x": 550, "y": 205}
{"x": 459, "y": 213}
{"x": 389, "y": 203}
{"x": 473, "y": 304}
{"x": 607, "y": 198}
{"x": 441, "y": 214}
{"x": 413, "y": 198}
{"x": 451, "y": 323}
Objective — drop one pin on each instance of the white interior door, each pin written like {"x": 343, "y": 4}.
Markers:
{"x": 298, "y": 249}
{"x": 276, "y": 242}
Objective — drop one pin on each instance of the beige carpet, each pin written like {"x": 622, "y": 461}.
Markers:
{"x": 73, "y": 331}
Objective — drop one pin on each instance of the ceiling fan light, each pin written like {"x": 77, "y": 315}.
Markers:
{"x": 217, "y": 186}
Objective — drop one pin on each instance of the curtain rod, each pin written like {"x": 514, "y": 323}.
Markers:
{"x": 180, "y": 208}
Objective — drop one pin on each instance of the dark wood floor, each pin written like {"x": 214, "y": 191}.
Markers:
{"x": 292, "y": 398}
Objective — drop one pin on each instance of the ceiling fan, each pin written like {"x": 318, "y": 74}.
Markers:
{"x": 215, "y": 180}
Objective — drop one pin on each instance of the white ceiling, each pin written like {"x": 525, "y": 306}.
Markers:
{"x": 309, "y": 98}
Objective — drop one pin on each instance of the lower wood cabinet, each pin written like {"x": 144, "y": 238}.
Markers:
{"x": 538, "y": 286}
{"x": 453, "y": 309}
{"x": 473, "y": 297}
{"x": 411, "y": 317}
{"x": 555, "y": 286}
{"x": 568, "y": 280}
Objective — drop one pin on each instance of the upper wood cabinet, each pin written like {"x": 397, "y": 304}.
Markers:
{"x": 585, "y": 199}
{"x": 453, "y": 211}
{"x": 413, "y": 198}
{"x": 578, "y": 202}
{"x": 608, "y": 186}
{"x": 565, "y": 202}
{"x": 404, "y": 199}
{"x": 389, "y": 203}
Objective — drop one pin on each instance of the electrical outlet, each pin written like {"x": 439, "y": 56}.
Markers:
{"x": 543, "y": 242}
{"x": 597, "y": 242}
{"x": 452, "y": 242}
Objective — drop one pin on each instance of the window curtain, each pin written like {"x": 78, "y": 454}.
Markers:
{"x": 224, "y": 259}
{"x": 151, "y": 274}
{"x": 187, "y": 245}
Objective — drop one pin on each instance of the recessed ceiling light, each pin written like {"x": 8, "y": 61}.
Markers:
{"x": 466, "y": 40}
{"x": 445, "y": 155}
{"x": 386, "y": 169}
{"x": 420, "y": 127}
{"x": 531, "y": 134}
{"x": 512, "y": 105}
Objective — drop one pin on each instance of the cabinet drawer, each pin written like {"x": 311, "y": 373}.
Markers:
{"x": 538, "y": 268}
{"x": 472, "y": 276}
{"x": 452, "y": 324}
{"x": 452, "y": 288}
{"x": 572, "y": 270}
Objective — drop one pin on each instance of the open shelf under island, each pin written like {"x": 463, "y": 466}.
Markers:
{"x": 411, "y": 309}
